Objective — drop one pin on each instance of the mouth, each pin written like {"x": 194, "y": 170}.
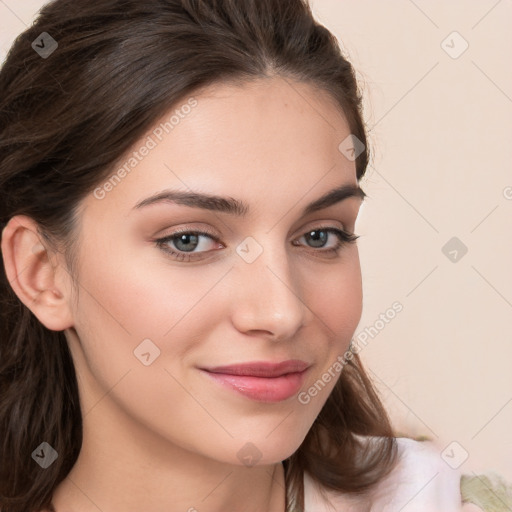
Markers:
{"x": 261, "y": 381}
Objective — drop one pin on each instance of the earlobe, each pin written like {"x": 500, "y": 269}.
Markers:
{"x": 33, "y": 275}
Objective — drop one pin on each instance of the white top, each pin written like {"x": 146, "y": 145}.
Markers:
{"x": 421, "y": 482}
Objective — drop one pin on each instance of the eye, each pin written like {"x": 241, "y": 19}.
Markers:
{"x": 187, "y": 241}
{"x": 319, "y": 236}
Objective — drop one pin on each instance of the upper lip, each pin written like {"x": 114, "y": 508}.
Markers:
{"x": 261, "y": 368}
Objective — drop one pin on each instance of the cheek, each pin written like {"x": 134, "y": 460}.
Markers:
{"x": 124, "y": 301}
{"x": 336, "y": 300}
{"x": 127, "y": 297}
{"x": 335, "y": 297}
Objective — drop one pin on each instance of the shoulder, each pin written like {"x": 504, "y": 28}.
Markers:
{"x": 421, "y": 481}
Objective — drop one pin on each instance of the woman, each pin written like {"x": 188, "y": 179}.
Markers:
{"x": 179, "y": 189}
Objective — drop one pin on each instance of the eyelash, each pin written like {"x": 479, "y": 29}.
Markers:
{"x": 343, "y": 239}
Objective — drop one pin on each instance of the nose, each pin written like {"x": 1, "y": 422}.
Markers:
{"x": 267, "y": 297}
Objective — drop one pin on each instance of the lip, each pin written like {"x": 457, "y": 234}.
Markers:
{"x": 262, "y": 381}
{"x": 261, "y": 368}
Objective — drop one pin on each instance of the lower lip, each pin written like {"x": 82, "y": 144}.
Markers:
{"x": 262, "y": 389}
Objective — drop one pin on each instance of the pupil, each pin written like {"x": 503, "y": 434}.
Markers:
{"x": 316, "y": 237}
{"x": 184, "y": 238}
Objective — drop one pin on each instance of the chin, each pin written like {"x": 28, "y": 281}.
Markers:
{"x": 264, "y": 451}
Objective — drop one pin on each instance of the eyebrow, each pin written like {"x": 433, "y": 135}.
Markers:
{"x": 238, "y": 208}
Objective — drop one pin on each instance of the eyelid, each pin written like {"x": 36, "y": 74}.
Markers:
{"x": 190, "y": 229}
{"x": 310, "y": 226}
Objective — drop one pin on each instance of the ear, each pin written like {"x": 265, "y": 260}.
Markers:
{"x": 36, "y": 274}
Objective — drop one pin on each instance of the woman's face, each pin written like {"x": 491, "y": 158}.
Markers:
{"x": 265, "y": 286}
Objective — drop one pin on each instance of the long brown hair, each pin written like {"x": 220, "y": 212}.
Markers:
{"x": 66, "y": 118}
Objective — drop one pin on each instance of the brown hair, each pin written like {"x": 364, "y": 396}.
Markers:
{"x": 66, "y": 119}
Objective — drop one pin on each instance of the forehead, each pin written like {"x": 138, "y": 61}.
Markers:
{"x": 254, "y": 141}
{"x": 268, "y": 108}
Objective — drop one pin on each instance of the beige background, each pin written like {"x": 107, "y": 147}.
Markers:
{"x": 441, "y": 132}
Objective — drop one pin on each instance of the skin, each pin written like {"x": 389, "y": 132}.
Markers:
{"x": 164, "y": 437}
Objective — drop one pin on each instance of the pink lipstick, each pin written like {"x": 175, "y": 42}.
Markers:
{"x": 262, "y": 381}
